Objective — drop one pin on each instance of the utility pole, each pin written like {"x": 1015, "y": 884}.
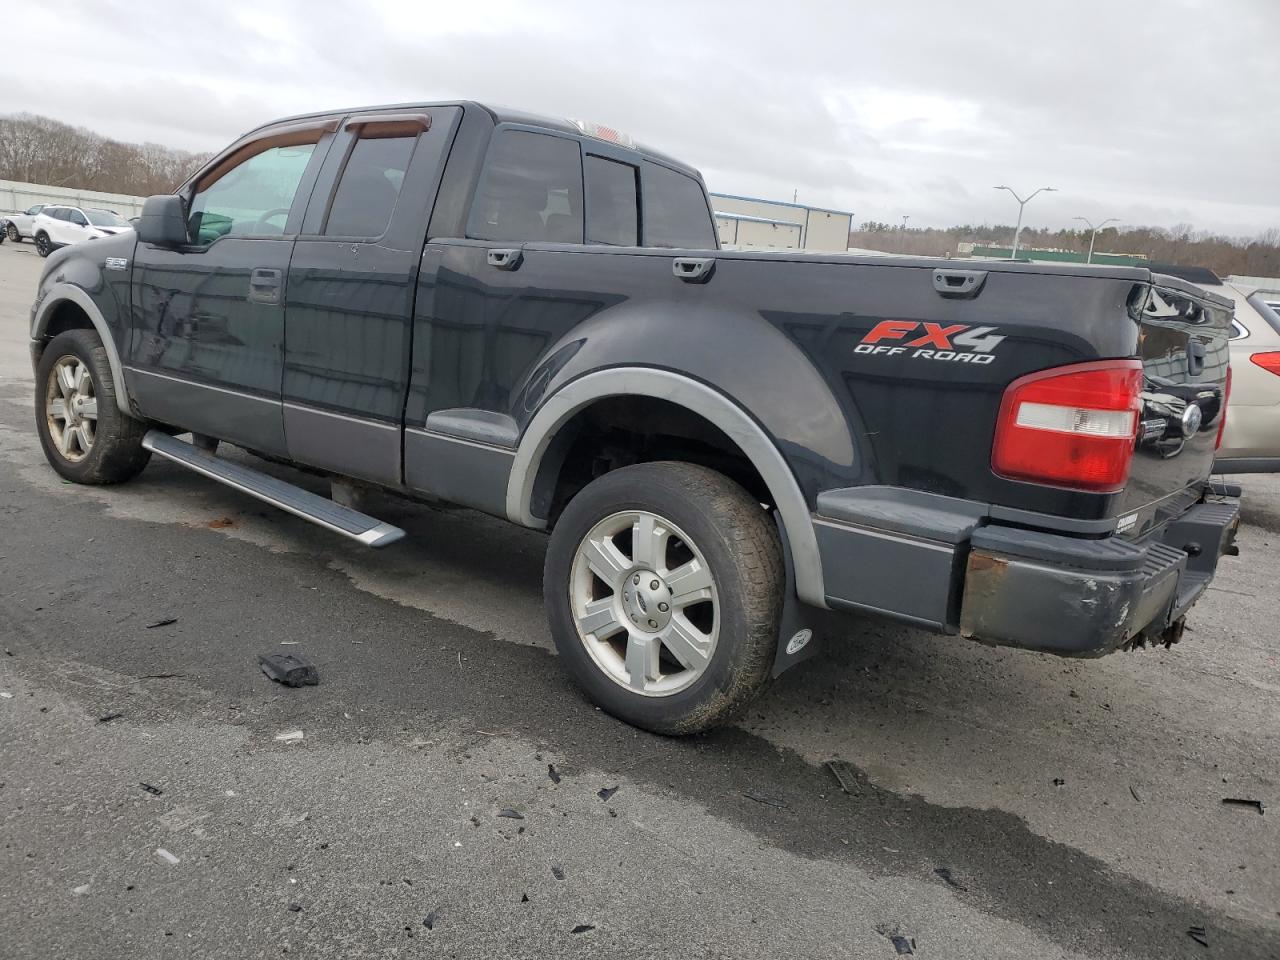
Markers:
{"x": 1021, "y": 205}
{"x": 1094, "y": 235}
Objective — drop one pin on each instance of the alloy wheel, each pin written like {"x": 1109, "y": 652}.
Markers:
{"x": 71, "y": 408}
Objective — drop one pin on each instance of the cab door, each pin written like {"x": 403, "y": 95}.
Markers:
{"x": 207, "y": 348}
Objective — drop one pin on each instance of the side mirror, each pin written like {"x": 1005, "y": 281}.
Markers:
{"x": 163, "y": 221}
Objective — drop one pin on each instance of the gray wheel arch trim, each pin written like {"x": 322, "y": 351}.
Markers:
{"x": 700, "y": 399}
{"x": 68, "y": 291}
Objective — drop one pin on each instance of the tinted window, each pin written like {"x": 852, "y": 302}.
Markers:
{"x": 532, "y": 190}
{"x": 369, "y": 187}
{"x": 253, "y": 198}
{"x": 675, "y": 211}
{"x": 76, "y": 217}
{"x": 613, "y": 215}
{"x": 31, "y": 212}
{"x": 105, "y": 218}
{"x": 58, "y": 213}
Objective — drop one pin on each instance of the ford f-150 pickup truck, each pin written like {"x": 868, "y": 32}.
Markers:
{"x": 531, "y": 317}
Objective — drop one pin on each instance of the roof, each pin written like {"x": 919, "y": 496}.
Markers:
{"x": 727, "y": 215}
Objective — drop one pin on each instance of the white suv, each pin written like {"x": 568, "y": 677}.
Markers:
{"x": 56, "y": 227}
{"x": 17, "y": 226}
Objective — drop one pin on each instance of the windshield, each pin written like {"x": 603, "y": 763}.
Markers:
{"x": 104, "y": 218}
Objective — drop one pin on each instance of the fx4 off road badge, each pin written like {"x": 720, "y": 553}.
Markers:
{"x": 954, "y": 342}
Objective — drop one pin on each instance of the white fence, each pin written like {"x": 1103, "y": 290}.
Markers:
{"x": 16, "y": 197}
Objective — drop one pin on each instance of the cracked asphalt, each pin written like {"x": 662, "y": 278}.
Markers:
{"x": 1074, "y": 809}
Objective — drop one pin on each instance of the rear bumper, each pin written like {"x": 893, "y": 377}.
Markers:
{"x": 941, "y": 563}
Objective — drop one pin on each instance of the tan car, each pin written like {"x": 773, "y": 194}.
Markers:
{"x": 1251, "y": 443}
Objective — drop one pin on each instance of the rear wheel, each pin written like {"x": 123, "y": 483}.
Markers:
{"x": 43, "y": 245}
{"x": 86, "y": 438}
{"x": 663, "y": 589}
{"x": 12, "y": 233}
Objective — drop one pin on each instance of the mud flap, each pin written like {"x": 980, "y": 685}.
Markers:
{"x": 799, "y": 625}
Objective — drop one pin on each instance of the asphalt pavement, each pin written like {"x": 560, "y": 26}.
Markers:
{"x": 445, "y": 795}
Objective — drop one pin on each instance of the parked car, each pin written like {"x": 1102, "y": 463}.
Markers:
{"x": 58, "y": 226}
{"x": 531, "y": 317}
{"x": 17, "y": 226}
{"x": 1251, "y": 443}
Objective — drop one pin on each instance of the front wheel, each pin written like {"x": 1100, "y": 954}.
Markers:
{"x": 663, "y": 586}
{"x": 43, "y": 245}
{"x": 12, "y": 233}
{"x": 86, "y": 438}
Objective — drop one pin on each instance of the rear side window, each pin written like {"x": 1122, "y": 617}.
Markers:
{"x": 58, "y": 213}
{"x": 370, "y": 187}
{"x": 531, "y": 190}
{"x": 675, "y": 211}
{"x": 613, "y": 209}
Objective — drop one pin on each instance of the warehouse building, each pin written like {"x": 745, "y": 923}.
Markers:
{"x": 748, "y": 223}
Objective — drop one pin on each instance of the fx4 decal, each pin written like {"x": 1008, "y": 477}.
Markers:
{"x": 955, "y": 342}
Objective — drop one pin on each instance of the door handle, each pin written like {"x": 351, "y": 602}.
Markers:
{"x": 264, "y": 285}
{"x": 506, "y": 259}
{"x": 1196, "y": 356}
{"x": 959, "y": 284}
{"x": 693, "y": 269}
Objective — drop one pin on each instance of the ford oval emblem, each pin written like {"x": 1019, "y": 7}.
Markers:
{"x": 1191, "y": 419}
{"x": 799, "y": 641}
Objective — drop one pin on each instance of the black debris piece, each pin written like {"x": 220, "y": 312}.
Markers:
{"x": 557, "y": 872}
{"x": 846, "y": 775}
{"x": 613, "y": 812}
{"x": 108, "y": 717}
{"x": 429, "y": 921}
{"x": 1242, "y": 802}
{"x": 583, "y": 927}
{"x": 154, "y": 791}
{"x": 167, "y": 621}
{"x": 524, "y": 898}
{"x": 765, "y": 799}
{"x": 1059, "y": 782}
{"x": 949, "y": 878}
{"x": 289, "y": 669}
{"x": 161, "y": 676}
{"x": 1135, "y": 793}
{"x": 901, "y": 944}
{"x": 295, "y": 908}
{"x": 510, "y": 814}
{"x": 553, "y": 773}
{"x": 606, "y": 792}
{"x": 1199, "y": 934}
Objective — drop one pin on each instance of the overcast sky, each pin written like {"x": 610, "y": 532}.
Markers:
{"x": 1152, "y": 112}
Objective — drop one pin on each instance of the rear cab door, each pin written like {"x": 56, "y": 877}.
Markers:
{"x": 351, "y": 285}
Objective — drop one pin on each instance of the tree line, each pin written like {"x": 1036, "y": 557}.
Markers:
{"x": 1181, "y": 244}
{"x": 36, "y": 149}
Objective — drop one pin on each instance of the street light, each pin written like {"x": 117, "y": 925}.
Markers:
{"x": 1094, "y": 235}
{"x": 1021, "y": 203}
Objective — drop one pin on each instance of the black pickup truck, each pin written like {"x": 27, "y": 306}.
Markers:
{"x": 533, "y": 318}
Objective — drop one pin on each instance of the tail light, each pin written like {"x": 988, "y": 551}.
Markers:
{"x": 1269, "y": 362}
{"x": 1226, "y": 394}
{"x": 1071, "y": 426}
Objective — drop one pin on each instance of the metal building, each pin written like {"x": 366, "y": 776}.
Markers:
{"x": 750, "y": 223}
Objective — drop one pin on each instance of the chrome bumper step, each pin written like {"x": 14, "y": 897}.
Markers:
{"x": 321, "y": 511}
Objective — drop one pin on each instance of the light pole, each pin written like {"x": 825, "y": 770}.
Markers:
{"x": 1022, "y": 203}
{"x": 902, "y": 237}
{"x": 1094, "y": 235}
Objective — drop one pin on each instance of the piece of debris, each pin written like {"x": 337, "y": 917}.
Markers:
{"x": 901, "y": 944}
{"x": 1199, "y": 934}
{"x": 108, "y": 717}
{"x": 606, "y": 792}
{"x": 510, "y": 814}
{"x": 6, "y": 694}
{"x": 429, "y": 921}
{"x": 161, "y": 676}
{"x": 524, "y": 898}
{"x": 846, "y": 775}
{"x": 166, "y": 856}
{"x": 583, "y": 928}
{"x": 295, "y": 908}
{"x": 1134, "y": 791}
{"x": 1242, "y": 802}
{"x": 290, "y": 737}
{"x": 154, "y": 791}
{"x": 167, "y": 621}
{"x": 557, "y": 872}
{"x": 948, "y": 878}
{"x": 553, "y": 773}
{"x": 289, "y": 669}
{"x": 81, "y": 890}
{"x": 765, "y": 799}
{"x": 1059, "y": 782}
{"x": 220, "y": 523}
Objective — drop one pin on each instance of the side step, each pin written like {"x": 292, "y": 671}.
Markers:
{"x": 370, "y": 531}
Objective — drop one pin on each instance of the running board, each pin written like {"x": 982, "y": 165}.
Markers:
{"x": 370, "y": 531}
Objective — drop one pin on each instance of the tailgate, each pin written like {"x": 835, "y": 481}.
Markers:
{"x": 1183, "y": 346}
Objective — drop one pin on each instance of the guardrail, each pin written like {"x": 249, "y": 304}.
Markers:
{"x": 16, "y": 196}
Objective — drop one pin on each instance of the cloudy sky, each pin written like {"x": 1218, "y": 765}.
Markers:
{"x": 1152, "y": 112}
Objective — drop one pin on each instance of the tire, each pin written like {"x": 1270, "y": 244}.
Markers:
{"x": 43, "y": 245}
{"x": 707, "y": 533}
{"x": 114, "y": 451}
{"x": 12, "y": 233}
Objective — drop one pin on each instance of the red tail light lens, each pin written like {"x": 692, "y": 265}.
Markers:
{"x": 1269, "y": 362}
{"x": 1071, "y": 426}
{"x": 1226, "y": 395}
